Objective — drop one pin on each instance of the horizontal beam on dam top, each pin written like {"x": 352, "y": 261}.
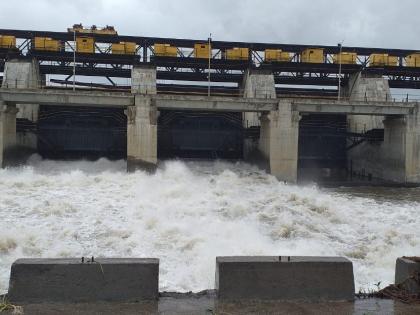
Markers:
{"x": 68, "y": 98}
{"x": 352, "y": 107}
{"x": 199, "y": 103}
{"x": 107, "y": 99}
{"x": 181, "y": 102}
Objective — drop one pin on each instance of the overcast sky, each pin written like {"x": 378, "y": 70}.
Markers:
{"x": 386, "y": 23}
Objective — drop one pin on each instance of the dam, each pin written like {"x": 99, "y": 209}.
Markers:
{"x": 195, "y": 99}
{"x": 279, "y": 125}
{"x": 246, "y": 127}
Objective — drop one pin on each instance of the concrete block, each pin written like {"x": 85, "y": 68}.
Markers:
{"x": 143, "y": 80}
{"x": 407, "y": 273}
{"x": 278, "y": 278}
{"x": 70, "y": 280}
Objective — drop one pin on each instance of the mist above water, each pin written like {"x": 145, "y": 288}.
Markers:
{"x": 190, "y": 212}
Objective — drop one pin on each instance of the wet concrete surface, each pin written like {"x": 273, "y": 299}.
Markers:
{"x": 206, "y": 303}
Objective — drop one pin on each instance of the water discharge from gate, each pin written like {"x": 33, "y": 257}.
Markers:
{"x": 190, "y": 212}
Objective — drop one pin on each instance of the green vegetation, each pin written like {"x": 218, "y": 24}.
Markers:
{"x": 6, "y": 306}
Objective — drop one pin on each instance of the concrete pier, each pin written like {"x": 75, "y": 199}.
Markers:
{"x": 143, "y": 80}
{"x": 279, "y": 129}
{"x": 142, "y": 135}
{"x": 7, "y": 133}
{"x": 142, "y": 121}
{"x": 367, "y": 88}
{"x": 256, "y": 85}
{"x": 23, "y": 74}
{"x": 279, "y": 140}
{"x": 285, "y": 278}
{"x": 367, "y": 159}
{"x": 71, "y": 280}
{"x": 401, "y": 148}
{"x": 397, "y": 158}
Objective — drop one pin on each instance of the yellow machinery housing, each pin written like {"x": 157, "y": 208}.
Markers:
{"x": 345, "y": 58}
{"x": 165, "y": 50}
{"x": 237, "y": 54}
{"x": 413, "y": 60}
{"x": 85, "y": 45}
{"x": 276, "y": 55}
{"x": 123, "y": 48}
{"x": 313, "y": 55}
{"x": 46, "y": 44}
{"x": 379, "y": 60}
{"x": 7, "y": 41}
{"x": 202, "y": 51}
{"x": 107, "y": 30}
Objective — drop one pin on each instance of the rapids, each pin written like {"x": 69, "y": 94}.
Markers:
{"x": 190, "y": 212}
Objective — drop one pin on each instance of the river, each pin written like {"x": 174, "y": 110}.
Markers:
{"x": 190, "y": 212}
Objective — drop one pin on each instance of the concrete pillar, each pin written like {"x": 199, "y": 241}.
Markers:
{"x": 367, "y": 88}
{"x": 143, "y": 80}
{"x": 279, "y": 141}
{"x": 257, "y": 84}
{"x": 412, "y": 147}
{"x": 400, "y": 152}
{"x": 142, "y": 121}
{"x": 392, "y": 161}
{"x": 7, "y": 132}
{"x": 397, "y": 158}
{"x": 363, "y": 159}
{"x": 142, "y": 135}
{"x": 23, "y": 74}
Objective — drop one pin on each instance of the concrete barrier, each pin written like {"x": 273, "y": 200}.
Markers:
{"x": 407, "y": 273}
{"x": 285, "y": 278}
{"x": 70, "y": 280}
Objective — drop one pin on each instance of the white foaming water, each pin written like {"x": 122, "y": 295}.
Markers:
{"x": 190, "y": 212}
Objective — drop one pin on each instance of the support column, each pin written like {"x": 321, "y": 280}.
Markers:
{"x": 279, "y": 141}
{"x": 392, "y": 163}
{"x": 364, "y": 158}
{"x": 142, "y": 121}
{"x": 256, "y": 84}
{"x": 401, "y": 149}
{"x": 412, "y": 147}
{"x": 7, "y": 133}
{"x": 367, "y": 88}
{"x": 23, "y": 74}
{"x": 143, "y": 80}
{"x": 142, "y": 135}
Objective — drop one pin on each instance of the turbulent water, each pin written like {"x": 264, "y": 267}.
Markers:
{"x": 190, "y": 212}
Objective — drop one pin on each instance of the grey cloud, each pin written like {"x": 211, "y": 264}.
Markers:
{"x": 358, "y": 22}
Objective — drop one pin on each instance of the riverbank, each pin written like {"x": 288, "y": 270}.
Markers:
{"x": 206, "y": 303}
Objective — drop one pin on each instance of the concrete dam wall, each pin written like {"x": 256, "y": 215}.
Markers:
{"x": 370, "y": 136}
